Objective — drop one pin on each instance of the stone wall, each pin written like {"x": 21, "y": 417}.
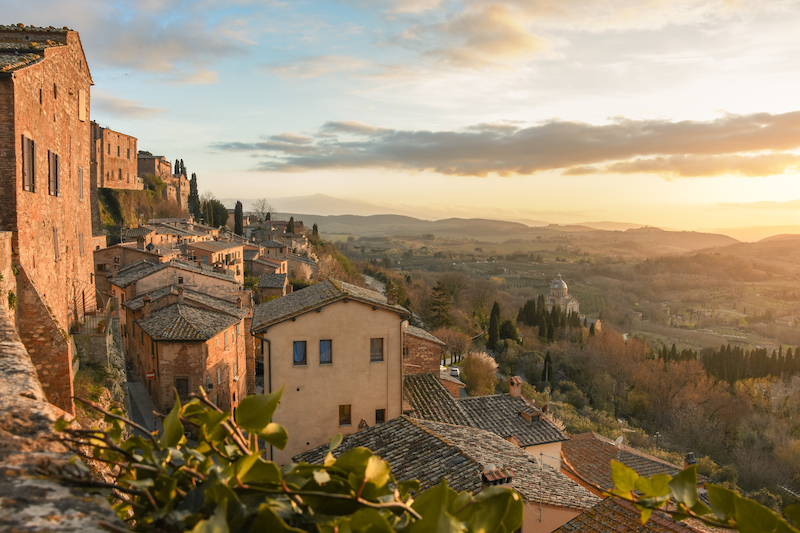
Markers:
{"x": 422, "y": 356}
{"x": 30, "y": 501}
{"x": 8, "y": 282}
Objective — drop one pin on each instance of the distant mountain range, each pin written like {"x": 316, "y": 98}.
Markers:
{"x": 362, "y": 218}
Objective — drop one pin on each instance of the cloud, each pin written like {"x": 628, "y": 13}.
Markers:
{"x": 311, "y": 67}
{"x": 748, "y": 145}
{"x": 111, "y": 106}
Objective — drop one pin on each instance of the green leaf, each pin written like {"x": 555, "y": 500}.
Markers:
{"x": 262, "y": 472}
{"x": 173, "y": 429}
{"x": 62, "y": 424}
{"x": 792, "y": 512}
{"x": 274, "y": 434}
{"x": 405, "y": 487}
{"x": 321, "y": 477}
{"x": 752, "y": 517}
{"x": 215, "y": 524}
{"x": 377, "y": 471}
{"x": 354, "y": 461}
{"x": 370, "y": 521}
{"x": 624, "y": 477}
{"x": 657, "y": 485}
{"x": 255, "y": 412}
{"x": 268, "y": 520}
{"x": 684, "y": 487}
{"x": 432, "y": 505}
{"x": 333, "y": 443}
{"x": 500, "y": 510}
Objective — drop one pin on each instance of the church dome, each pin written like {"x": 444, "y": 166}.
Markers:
{"x": 558, "y": 283}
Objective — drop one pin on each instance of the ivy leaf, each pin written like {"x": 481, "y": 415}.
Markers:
{"x": 268, "y": 520}
{"x": 370, "y": 520}
{"x": 173, "y": 429}
{"x": 274, "y": 434}
{"x": 500, "y": 511}
{"x": 261, "y": 472}
{"x": 752, "y": 517}
{"x": 321, "y": 477}
{"x": 684, "y": 487}
{"x": 405, "y": 487}
{"x": 216, "y": 524}
{"x": 255, "y": 412}
{"x": 657, "y": 485}
{"x": 793, "y": 513}
{"x": 62, "y": 423}
{"x": 432, "y": 505}
{"x": 333, "y": 443}
{"x": 624, "y": 477}
{"x": 723, "y": 501}
{"x": 377, "y": 471}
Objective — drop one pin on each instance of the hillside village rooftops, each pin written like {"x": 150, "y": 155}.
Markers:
{"x": 180, "y": 322}
{"x": 140, "y": 231}
{"x": 217, "y": 304}
{"x": 131, "y": 275}
{"x": 422, "y": 334}
{"x": 272, "y": 281}
{"x": 315, "y": 296}
{"x": 17, "y": 53}
{"x": 588, "y": 456}
{"x": 431, "y": 401}
{"x": 616, "y": 515}
{"x": 273, "y": 244}
{"x": 432, "y": 451}
{"x": 214, "y": 246}
{"x": 250, "y": 255}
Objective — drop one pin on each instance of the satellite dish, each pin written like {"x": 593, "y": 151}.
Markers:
{"x": 619, "y": 441}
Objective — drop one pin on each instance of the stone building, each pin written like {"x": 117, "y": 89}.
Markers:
{"x": 559, "y": 297}
{"x": 45, "y": 186}
{"x": 114, "y": 160}
{"x": 156, "y": 165}
{"x": 333, "y": 342}
{"x": 272, "y": 286}
{"x": 188, "y": 340}
{"x": 220, "y": 254}
{"x": 422, "y": 352}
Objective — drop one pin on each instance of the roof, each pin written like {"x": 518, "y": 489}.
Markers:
{"x": 589, "y": 455}
{"x": 558, "y": 283}
{"x": 317, "y": 295}
{"x": 273, "y": 244}
{"x": 180, "y": 322}
{"x": 217, "y": 304}
{"x": 413, "y": 452}
{"x": 615, "y": 515}
{"x": 431, "y": 401}
{"x": 535, "y": 481}
{"x": 131, "y": 276}
{"x": 15, "y": 54}
{"x": 422, "y": 334}
{"x": 499, "y": 413}
{"x": 272, "y": 281}
{"x": 249, "y": 255}
{"x": 214, "y": 246}
{"x": 140, "y": 231}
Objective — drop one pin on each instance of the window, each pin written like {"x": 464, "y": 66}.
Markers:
{"x": 376, "y": 349}
{"x": 55, "y": 91}
{"x": 80, "y": 242}
{"x": 180, "y": 280}
{"x": 235, "y": 369}
{"x": 28, "y": 165}
{"x": 226, "y": 340}
{"x": 120, "y": 172}
{"x": 55, "y": 243}
{"x": 344, "y": 415}
{"x": 325, "y": 352}
{"x": 52, "y": 159}
{"x": 182, "y": 386}
{"x": 129, "y": 153}
{"x": 40, "y": 96}
{"x": 236, "y": 329}
{"x": 219, "y": 376}
{"x": 380, "y": 416}
{"x": 299, "y": 355}
{"x": 81, "y": 105}
{"x": 109, "y": 149}
{"x": 80, "y": 183}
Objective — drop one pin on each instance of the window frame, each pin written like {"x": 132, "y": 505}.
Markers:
{"x": 330, "y": 352}
{"x": 80, "y": 183}
{"x": 304, "y": 361}
{"x": 346, "y": 415}
{"x": 28, "y": 164}
{"x": 53, "y": 166}
{"x": 382, "y": 418}
{"x": 188, "y": 386}
{"x": 372, "y": 353}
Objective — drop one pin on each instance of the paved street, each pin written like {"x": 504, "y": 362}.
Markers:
{"x": 141, "y": 405}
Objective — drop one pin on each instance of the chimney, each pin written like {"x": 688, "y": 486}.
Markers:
{"x": 689, "y": 460}
{"x": 515, "y": 387}
{"x": 146, "y": 308}
{"x": 492, "y": 475}
{"x": 180, "y": 295}
{"x": 239, "y": 302}
{"x": 140, "y": 243}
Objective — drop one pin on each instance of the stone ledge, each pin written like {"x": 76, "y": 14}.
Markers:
{"x": 30, "y": 501}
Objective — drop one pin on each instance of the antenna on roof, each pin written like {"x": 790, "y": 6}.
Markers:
{"x": 619, "y": 441}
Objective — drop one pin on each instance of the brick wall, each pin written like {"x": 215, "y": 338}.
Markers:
{"x": 114, "y": 159}
{"x": 453, "y": 388}
{"x": 47, "y": 229}
{"x": 422, "y": 356}
{"x": 8, "y": 282}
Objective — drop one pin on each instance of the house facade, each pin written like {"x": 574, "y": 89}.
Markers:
{"x": 331, "y": 341}
{"x": 45, "y": 161}
{"x": 114, "y": 160}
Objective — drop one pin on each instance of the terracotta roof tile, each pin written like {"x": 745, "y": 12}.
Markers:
{"x": 184, "y": 323}
{"x": 499, "y": 413}
{"x": 132, "y": 276}
{"x": 615, "y": 515}
{"x": 431, "y": 401}
{"x": 422, "y": 334}
{"x": 272, "y": 281}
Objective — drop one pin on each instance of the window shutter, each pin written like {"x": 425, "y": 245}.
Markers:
{"x": 26, "y": 169}
{"x": 80, "y": 183}
{"x": 82, "y": 105}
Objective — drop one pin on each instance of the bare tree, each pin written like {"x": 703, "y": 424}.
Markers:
{"x": 455, "y": 283}
{"x": 262, "y": 208}
{"x": 479, "y": 373}
{"x": 207, "y": 196}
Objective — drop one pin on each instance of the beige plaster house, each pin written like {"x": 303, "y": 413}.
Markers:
{"x": 225, "y": 254}
{"x": 337, "y": 351}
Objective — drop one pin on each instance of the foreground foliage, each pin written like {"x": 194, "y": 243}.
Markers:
{"x": 221, "y": 484}
{"x": 677, "y": 496}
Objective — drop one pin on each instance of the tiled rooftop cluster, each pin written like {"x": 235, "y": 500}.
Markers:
{"x": 272, "y": 281}
{"x": 498, "y": 413}
{"x": 430, "y": 451}
{"x": 180, "y": 322}
{"x": 217, "y": 304}
{"x": 589, "y": 456}
{"x": 422, "y": 334}
{"x": 15, "y": 52}
{"x": 315, "y": 296}
{"x": 615, "y": 515}
{"x": 132, "y": 275}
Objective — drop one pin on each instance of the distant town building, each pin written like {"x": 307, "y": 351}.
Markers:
{"x": 114, "y": 160}
{"x": 559, "y": 297}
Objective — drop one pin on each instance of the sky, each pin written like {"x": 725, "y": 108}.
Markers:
{"x": 676, "y": 113}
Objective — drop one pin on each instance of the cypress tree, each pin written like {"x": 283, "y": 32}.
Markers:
{"x": 290, "y": 225}
{"x": 315, "y": 230}
{"x": 238, "y": 219}
{"x": 548, "y": 368}
{"x": 494, "y": 327}
{"x": 194, "y": 198}
{"x": 440, "y": 305}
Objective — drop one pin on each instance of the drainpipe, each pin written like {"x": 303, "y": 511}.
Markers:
{"x": 269, "y": 369}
